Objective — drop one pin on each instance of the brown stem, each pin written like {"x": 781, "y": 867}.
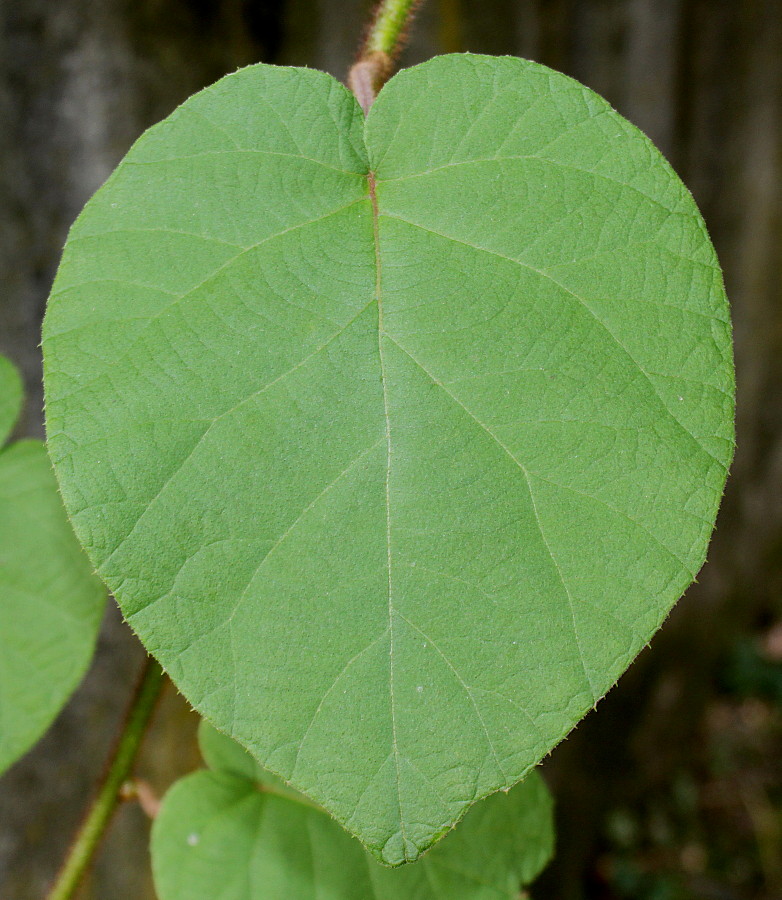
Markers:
{"x": 367, "y": 76}
{"x": 385, "y": 39}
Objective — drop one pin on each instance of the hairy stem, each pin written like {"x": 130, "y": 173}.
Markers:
{"x": 385, "y": 39}
{"x": 119, "y": 765}
{"x": 388, "y": 28}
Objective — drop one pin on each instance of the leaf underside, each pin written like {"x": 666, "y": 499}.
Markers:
{"x": 50, "y": 600}
{"x": 396, "y": 440}
{"x": 233, "y": 834}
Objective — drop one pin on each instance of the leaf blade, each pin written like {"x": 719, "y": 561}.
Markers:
{"x": 52, "y": 603}
{"x": 10, "y": 397}
{"x": 397, "y": 490}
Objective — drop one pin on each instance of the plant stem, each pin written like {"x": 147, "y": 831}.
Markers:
{"x": 388, "y": 28}
{"x": 120, "y": 762}
{"x": 384, "y": 41}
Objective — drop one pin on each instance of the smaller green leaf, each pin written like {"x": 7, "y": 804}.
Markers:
{"x": 50, "y": 601}
{"x": 238, "y": 833}
{"x": 223, "y": 754}
{"x": 10, "y": 397}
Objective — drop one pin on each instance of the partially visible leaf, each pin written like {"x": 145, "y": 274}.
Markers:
{"x": 10, "y": 397}
{"x": 223, "y": 754}
{"x": 229, "y": 834}
{"x": 50, "y": 601}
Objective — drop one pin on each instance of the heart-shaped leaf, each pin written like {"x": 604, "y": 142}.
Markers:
{"x": 239, "y": 834}
{"x": 50, "y": 600}
{"x": 396, "y": 439}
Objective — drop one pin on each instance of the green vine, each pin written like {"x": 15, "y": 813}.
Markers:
{"x": 92, "y": 829}
{"x": 387, "y": 32}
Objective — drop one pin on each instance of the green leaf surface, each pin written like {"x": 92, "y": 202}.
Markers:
{"x": 229, "y": 834}
{"x": 10, "y": 398}
{"x": 224, "y": 755}
{"x": 396, "y": 439}
{"x": 50, "y": 600}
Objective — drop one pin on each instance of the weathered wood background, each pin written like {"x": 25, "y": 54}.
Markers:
{"x": 80, "y": 79}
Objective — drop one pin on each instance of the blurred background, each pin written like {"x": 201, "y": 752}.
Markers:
{"x": 672, "y": 788}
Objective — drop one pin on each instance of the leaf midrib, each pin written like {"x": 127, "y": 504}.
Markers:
{"x": 384, "y": 381}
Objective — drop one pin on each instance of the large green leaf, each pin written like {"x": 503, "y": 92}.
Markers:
{"x": 236, "y": 833}
{"x": 396, "y": 441}
{"x": 50, "y": 600}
